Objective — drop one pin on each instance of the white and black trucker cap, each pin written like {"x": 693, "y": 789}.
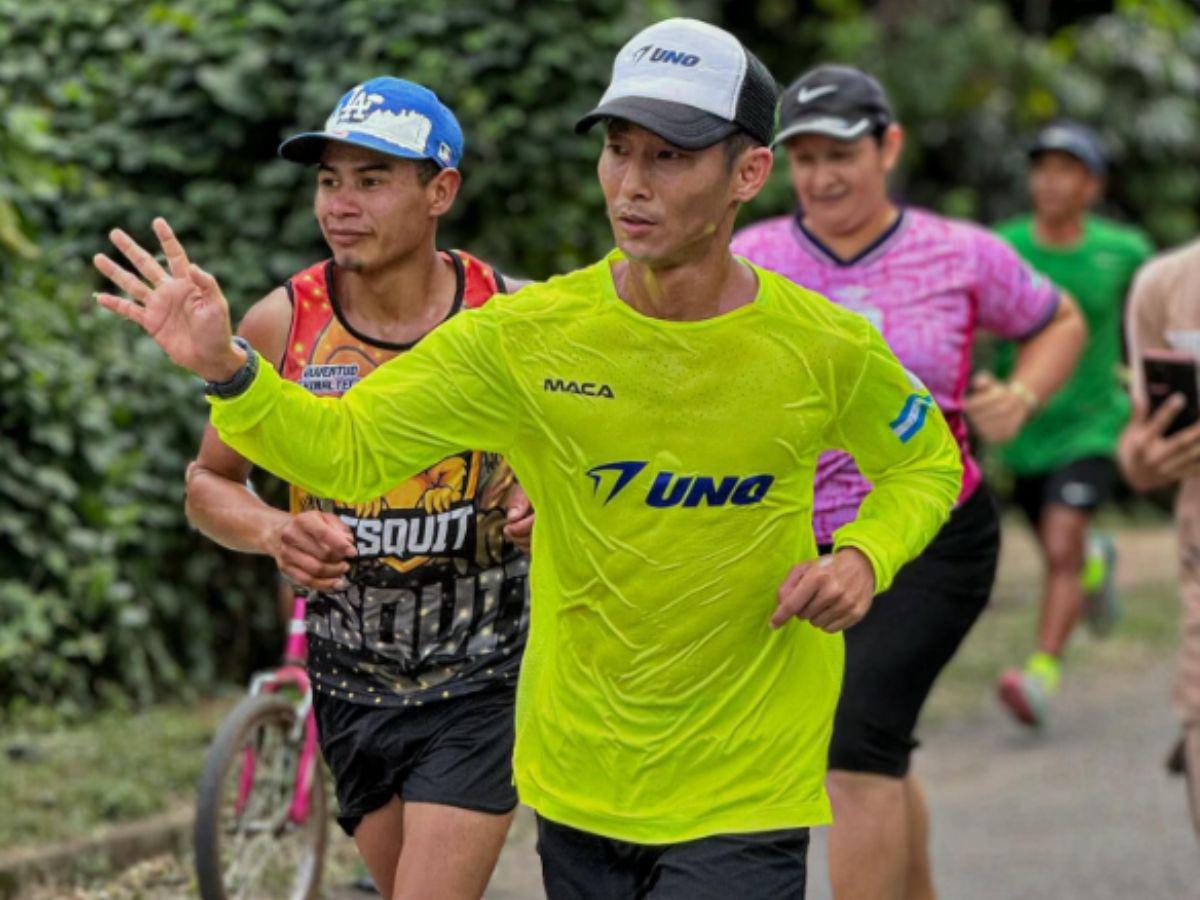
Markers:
{"x": 840, "y": 102}
{"x": 691, "y": 84}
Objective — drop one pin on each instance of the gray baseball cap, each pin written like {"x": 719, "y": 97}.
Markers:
{"x": 1075, "y": 138}
{"x": 690, "y": 83}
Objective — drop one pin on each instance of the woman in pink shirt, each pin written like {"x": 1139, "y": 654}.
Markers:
{"x": 928, "y": 284}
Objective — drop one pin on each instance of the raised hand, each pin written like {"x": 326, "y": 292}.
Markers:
{"x": 183, "y": 309}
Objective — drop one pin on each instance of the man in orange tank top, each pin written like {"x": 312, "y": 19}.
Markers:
{"x": 419, "y": 602}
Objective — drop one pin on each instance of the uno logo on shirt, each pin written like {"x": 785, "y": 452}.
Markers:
{"x": 669, "y": 489}
{"x": 912, "y": 417}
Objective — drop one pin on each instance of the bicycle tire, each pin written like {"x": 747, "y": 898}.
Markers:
{"x": 244, "y": 723}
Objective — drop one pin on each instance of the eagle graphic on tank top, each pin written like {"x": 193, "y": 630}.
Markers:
{"x": 437, "y": 603}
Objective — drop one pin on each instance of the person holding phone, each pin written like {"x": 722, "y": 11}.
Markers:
{"x": 1164, "y": 314}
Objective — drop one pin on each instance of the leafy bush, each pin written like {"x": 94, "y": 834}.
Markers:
{"x": 971, "y": 90}
{"x": 103, "y": 591}
{"x": 117, "y": 110}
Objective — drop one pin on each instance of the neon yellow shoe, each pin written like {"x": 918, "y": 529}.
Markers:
{"x": 1026, "y": 692}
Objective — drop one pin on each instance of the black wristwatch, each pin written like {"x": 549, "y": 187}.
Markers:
{"x": 239, "y": 380}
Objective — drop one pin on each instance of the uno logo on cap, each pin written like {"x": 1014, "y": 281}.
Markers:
{"x": 663, "y": 55}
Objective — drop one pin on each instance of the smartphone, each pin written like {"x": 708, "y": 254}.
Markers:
{"x": 1172, "y": 372}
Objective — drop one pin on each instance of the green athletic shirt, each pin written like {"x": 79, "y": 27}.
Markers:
{"x": 671, "y": 466}
{"x": 1085, "y": 418}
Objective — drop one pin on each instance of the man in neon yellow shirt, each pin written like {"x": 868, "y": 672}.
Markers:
{"x": 664, "y": 409}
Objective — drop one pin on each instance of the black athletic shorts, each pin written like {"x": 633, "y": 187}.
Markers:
{"x": 765, "y": 865}
{"x": 912, "y": 630}
{"x": 1083, "y": 484}
{"x": 456, "y": 752}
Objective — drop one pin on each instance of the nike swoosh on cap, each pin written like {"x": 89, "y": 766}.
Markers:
{"x": 806, "y": 95}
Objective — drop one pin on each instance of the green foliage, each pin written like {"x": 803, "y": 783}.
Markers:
{"x": 114, "y": 111}
{"x": 183, "y": 104}
{"x": 104, "y": 593}
{"x": 971, "y": 90}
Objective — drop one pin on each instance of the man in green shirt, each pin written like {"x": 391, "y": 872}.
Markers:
{"x": 664, "y": 409}
{"x": 1063, "y": 460}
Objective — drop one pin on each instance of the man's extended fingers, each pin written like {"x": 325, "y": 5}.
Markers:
{"x": 796, "y": 600}
{"x": 177, "y": 259}
{"x": 136, "y": 254}
{"x": 827, "y": 611}
{"x": 1158, "y": 423}
{"x": 328, "y": 531}
{"x": 1182, "y": 439}
{"x": 121, "y": 277}
{"x": 125, "y": 308}
{"x": 337, "y": 534}
{"x": 202, "y": 279}
{"x": 1180, "y": 458}
{"x": 795, "y": 574}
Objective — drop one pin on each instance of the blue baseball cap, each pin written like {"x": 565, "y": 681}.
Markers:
{"x": 388, "y": 115}
{"x": 1075, "y": 138}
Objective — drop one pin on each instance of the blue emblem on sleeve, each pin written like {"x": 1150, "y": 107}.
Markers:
{"x": 912, "y": 417}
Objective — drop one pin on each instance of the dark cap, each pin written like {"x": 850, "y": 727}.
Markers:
{"x": 840, "y": 102}
{"x": 1076, "y": 139}
{"x": 690, "y": 83}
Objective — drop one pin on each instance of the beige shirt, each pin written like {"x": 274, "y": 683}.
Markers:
{"x": 1164, "y": 313}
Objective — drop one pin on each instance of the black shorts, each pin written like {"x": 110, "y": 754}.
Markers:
{"x": 912, "y": 630}
{"x": 765, "y": 865}
{"x": 457, "y": 752}
{"x": 1083, "y": 484}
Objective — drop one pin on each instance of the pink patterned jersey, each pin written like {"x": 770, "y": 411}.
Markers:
{"x": 927, "y": 283}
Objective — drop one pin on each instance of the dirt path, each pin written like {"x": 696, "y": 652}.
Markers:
{"x": 1085, "y": 811}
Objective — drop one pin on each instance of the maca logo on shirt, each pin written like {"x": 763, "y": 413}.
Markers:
{"x": 668, "y": 489}
{"x": 583, "y": 388}
{"x": 912, "y": 416}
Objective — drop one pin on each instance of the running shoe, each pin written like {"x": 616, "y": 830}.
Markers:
{"x": 1101, "y": 606}
{"x": 1026, "y": 696}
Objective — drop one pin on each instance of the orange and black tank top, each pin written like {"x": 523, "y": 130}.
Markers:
{"x": 438, "y": 602}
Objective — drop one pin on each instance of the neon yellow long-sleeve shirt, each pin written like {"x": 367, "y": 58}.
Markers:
{"x": 671, "y": 466}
